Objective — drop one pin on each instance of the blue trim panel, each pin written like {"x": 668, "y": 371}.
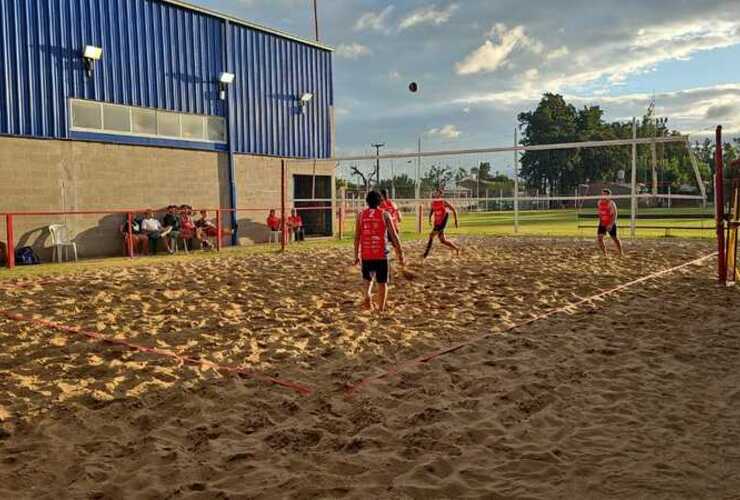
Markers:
{"x": 146, "y": 141}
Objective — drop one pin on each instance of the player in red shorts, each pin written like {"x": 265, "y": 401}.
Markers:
{"x": 374, "y": 229}
{"x": 440, "y": 213}
{"x": 608, "y": 221}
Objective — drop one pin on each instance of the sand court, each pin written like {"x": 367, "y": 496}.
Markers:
{"x": 560, "y": 405}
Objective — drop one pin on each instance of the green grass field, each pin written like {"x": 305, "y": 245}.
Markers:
{"x": 561, "y": 223}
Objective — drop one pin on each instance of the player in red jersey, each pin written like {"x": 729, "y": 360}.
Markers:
{"x": 390, "y": 207}
{"x": 374, "y": 229}
{"x": 608, "y": 221}
{"x": 440, "y": 214}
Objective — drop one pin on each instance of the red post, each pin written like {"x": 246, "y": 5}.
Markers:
{"x": 283, "y": 188}
{"x": 420, "y": 218}
{"x": 219, "y": 230}
{"x": 10, "y": 247}
{"x": 130, "y": 242}
{"x": 719, "y": 208}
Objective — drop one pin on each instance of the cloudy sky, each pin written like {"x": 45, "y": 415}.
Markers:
{"x": 480, "y": 62}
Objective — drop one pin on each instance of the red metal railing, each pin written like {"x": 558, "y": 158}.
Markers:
{"x": 10, "y": 219}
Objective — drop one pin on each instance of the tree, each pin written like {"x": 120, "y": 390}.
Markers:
{"x": 554, "y": 121}
{"x": 437, "y": 178}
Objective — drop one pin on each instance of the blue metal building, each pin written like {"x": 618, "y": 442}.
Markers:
{"x": 157, "y": 81}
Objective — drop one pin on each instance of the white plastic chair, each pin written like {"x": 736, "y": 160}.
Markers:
{"x": 275, "y": 236}
{"x": 60, "y": 240}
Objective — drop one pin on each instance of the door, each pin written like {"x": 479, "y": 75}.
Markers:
{"x": 312, "y": 198}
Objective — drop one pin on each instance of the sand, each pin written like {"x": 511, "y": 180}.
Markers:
{"x": 636, "y": 396}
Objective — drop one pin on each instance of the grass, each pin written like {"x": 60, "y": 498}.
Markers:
{"x": 553, "y": 223}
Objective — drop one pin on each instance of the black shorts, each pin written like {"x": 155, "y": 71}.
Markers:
{"x": 381, "y": 269}
{"x": 440, "y": 228}
{"x": 612, "y": 232}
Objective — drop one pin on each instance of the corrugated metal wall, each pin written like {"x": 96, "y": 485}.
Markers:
{"x": 271, "y": 72}
{"x": 163, "y": 56}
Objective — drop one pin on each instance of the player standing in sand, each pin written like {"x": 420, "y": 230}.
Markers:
{"x": 608, "y": 221}
{"x": 440, "y": 214}
{"x": 373, "y": 230}
{"x": 390, "y": 207}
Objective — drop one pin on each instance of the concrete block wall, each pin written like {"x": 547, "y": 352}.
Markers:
{"x": 54, "y": 175}
{"x": 49, "y": 175}
{"x": 258, "y": 181}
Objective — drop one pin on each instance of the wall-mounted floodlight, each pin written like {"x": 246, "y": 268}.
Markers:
{"x": 224, "y": 81}
{"x": 303, "y": 100}
{"x": 90, "y": 55}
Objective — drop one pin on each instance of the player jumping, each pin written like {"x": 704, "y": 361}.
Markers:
{"x": 374, "y": 229}
{"x": 440, "y": 212}
{"x": 608, "y": 221}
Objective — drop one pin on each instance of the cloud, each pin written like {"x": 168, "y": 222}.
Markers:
{"x": 491, "y": 56}
{"x": 719, "y": 111}
{"x": 428, "y": 15}
{"x": 448, "y": 132}
{"x": 558, "y": 53}
{"x": 351, "y": 51}
{"x": 375, "y": 21}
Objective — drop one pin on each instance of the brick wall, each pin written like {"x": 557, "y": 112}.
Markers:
{"x": 49, "y": 175}
{"x": 43, "y": 175}
{"x": 258, "y": 186}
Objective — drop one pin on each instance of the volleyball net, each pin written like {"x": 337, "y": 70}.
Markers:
{"x": 657, "y": 183}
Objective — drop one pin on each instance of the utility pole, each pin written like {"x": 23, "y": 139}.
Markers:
{"x": 316, "y": 18}
{"x": 377, "y": 161}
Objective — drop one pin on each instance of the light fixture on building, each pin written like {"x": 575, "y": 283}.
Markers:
{"x": 90, "y": 55}
{"x": 303, "y": 100}
{"x": 224, "y": 81}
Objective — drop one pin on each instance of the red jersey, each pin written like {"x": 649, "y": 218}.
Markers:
{"x": 273, "y": 222}
{"x": 439, "y": 210}
{"x": 392, "y": 209}
{"x": 605, "y": 213}
{"x": 296, "y": 221}
{"x": 373, "y": 234}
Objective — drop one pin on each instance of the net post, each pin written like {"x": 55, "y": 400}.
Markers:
{"x": 516, "y": 183}
{"x": 130, "y": 232}
{"x": 283, "y": 187}
{"x": 219, "y": 230}
{"x": 419, "y": 216}
{"x": 633, "y": 182}
{"x": 342, "y": 197}
{"x": 10, "y": 246}
{"x": 719, "y": 208}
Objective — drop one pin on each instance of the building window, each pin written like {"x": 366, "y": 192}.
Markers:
{"x": 91, "y": 116}
{"x": 116, "y": 118}
{"x": 86, "y": 115}
{"x": 168, "y": 124}
{"x": 145, "y": 121}
{"x": 192, "y": 127}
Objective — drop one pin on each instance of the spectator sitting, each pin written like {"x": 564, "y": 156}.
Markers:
{"x": 153, "y": 230}
{"x": 171, "y": 225}
{"x": 139, "y": 239}
{"x": 295, "y": 222}
{"x": 275, "y": 224}
{"x": 188, "y": 231}
{"x": 207, "y": 229}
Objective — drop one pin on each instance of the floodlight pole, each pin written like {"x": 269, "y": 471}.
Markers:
{"x": 316, "y": 18}
{"x": 633, "y": 201}
{"x": 516, "y": 182}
